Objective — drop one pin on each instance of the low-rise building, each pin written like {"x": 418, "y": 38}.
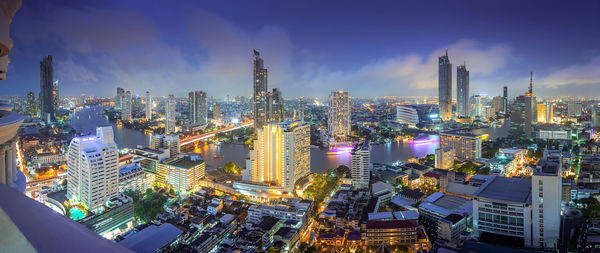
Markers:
{"x": 391, "y": 232}
{"x": 182, "y": 173}
{"x": 451, "y": 226}
{"x": 133, "y": 177}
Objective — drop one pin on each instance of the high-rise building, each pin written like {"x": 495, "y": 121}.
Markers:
{"x": 466, "y": 146}
{"x": 301, "y": 108}
{"x": 595, "y": 118}
{"x": 524, "y": 113}
{"x": 276, "y": 106}
{"x": 166, "y": 142}
{"x": 361, "y": 165}
{"x": 444, "y": 158}
{"x": 545, "y": 113}
{"x": 148, "y": 101}
{"x": 260, "y": 99}
{"x": 170, "y": 115}
{"x": 93, "y": 168}
{"x": 217, "y": 111}
{"x": 136, "y": 105}
{"x": 505, "y": 96}
{"x": 498, "y": 104}
{"x": 338, "y": 122}
{"x": 445, "y": 87}
{"x": 120, "y": 92}
{"x": 477, "y": 106}
{"x": 31, "y": 105}
{"x": 546, "y": 194}
{"x": 280, "y": 156}
{"x": 574, "y": 108}
{"x": 46, "y": 89}
{"x": 462, "y": 90}
{"x": 126, "y": 106}
{"x": 55, "y": 97}
{"x": 198, "y": 108}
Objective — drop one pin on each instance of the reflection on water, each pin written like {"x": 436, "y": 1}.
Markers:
{"x": 85, "y": 121}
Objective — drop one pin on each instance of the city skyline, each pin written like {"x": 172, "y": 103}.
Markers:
{"x": 297, "y": 59}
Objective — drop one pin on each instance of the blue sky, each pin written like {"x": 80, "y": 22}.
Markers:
{"x": 371, "y": 48}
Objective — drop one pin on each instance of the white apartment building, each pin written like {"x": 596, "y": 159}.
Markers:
{"x": 169, "y": 142}
{"x": 407, "y": 114}
{"x": 92, "y": 166}
{"x": 338, "y": 121}
{"x": 133, "y": 177}
{"x": 466, "y": 146}
{"x": 444, "y": 158}
{"x": 361, "y": 165}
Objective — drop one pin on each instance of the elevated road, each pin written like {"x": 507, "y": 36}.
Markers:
{"x": 192, "y": 139}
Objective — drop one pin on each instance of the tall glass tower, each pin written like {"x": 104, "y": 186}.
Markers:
{"x": 445, "y": 87}
{"x": 46, "y": 89}
{"x": 260, "y": 102}
{"x": 462, "y": 90}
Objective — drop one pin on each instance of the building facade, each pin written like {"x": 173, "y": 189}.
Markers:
{"x": 181, "y": 173}
{"x": 260, "y": 98}
{"x": 445, "y": 87}
{"x": 126, "y": 106}
{"x": 545, "y": 113}
{"x": 92, "y": 166}
{"x": 462, "y": 91}
{"x": 338, "y": 120}
{"x": 46, "y": 89}
{"x": 148, "y": 101}
{"x": 444, "y": 158}
{"x": 361, "y": 165}
{"x": 170, "y": 115}
{"x": 198, "y": 108}
{"x": 276, "y": 106}
{"x": 466, "y": 146}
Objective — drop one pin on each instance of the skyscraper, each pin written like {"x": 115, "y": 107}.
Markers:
{"x": 120, "y": 92}
{"x": 168, "y": 142}
{"x": 276, "y": 106}
{"x": 361, "y": 163}
{"x": 46, "y": 89}
{"x": 445, "y": 87}
{"x": 55, "y": 97}
{"x": 260, "y": 103}
{"x": 545, "y": 113}
{"x": 170, "y": 115}
{"x": 126, "y": 107}
{"x": 148, "y": 101}
{"x": 281, "y": 155}
{"x": 477, "y": 106}
{"x": 338, "y": 121}
{"x": 93, "y": 168}
{"x": 198, "y": 109}
{"x": 301, "y": 108}
{"x": 217, "y": 111}
{"x": 505, "y": 96}
{"x": 31, "y": 105}
{"x": 462, "y": 90}
{"x": 466, "y": 146}
{"x": 524, "y": 113}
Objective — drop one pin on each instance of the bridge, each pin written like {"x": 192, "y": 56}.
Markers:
{"x": 192, "y": 139}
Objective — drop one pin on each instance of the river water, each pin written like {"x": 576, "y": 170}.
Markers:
{"x": 85, "y": 121}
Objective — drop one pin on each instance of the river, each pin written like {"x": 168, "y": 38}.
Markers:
{"x": 85, "y": 121}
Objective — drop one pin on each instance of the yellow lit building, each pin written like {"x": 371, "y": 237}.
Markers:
{"x": 466, "y": 146}
{"x": 545, "y": 113}
{"x": 280, "y": 156}
{"x": 338, "y": 120}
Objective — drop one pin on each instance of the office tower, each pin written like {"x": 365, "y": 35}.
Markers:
{"x": 505, "y": 96}
{"x": 546, "y": 187}
{"x": 477, "y": 106}
{"x": 445, "y": 87}
{"x": 31, "y": 105}
{"x": 55, "y": 97}
{"x": 280, "y": 156}
{"x": 198, "y": 109}
{"x": 136, "y": 104}
{"x": 462, "y": 90}
{"x": 276, "y": 106}
{"x": 46, "y": 89}
{"x": 217, "y": 111}
{"x": 466, "y": 146}
{"x": 260, "y": 103}
{"x": 166, "y": 142}
{"x": 148, "y": 101}
{"x": 170, "y": 115}
{"x": 301, "y": 108}
{"x": 545, "y": 113}
{"x": 120, "y": 92}
{"x": 361, "y": 163}
{"x": 574, "y": 108}
{"x": 93, "y": 168}
{"x": 126, "y": 107}
{"x": 524, "y": 113}
{"x": 498, "y": 104}
{"x": 444, "y": 158}
{"x": 338, "y": 121}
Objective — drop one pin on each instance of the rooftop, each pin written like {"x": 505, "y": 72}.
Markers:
{"x": 151, "y": 238}
{"x": 186, "y": 162}
{"x": 507, "y": 189}
{"x": 391, "y": 224}
{"x": 454, "y": 218}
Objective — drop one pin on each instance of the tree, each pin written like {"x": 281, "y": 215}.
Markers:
{"x": 150, "y": 206}
{"x": 134, "y": 194}
{"x": 232, "y": 169}
{"x": 530, "y": 153}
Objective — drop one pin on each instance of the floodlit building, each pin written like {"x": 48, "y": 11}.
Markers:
{"x": 280, "y": 157}
{"x": 338, "y": 121}
{"x": 545, "y": 113}
{"x": 181, "y": 173}
{"x": 361, "y": 165}
{"x": 92, "y": 166}
{"x": 170, "y": 115}
{"x": 445, "y": 87}
{"x": 466, "y": 146}
{"x": 260, "y": 100}
{"x": 444, "y": 158}
{"x": 198, "y": 108}
{"x": 126, "y": 106}
{"x": 524, "y": 113}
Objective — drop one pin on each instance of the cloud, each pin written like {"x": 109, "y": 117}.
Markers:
{"x": 579, "y": 74}
{"x": 68, "y": 70}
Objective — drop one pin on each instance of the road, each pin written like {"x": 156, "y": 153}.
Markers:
{"x": 190, "y": 140}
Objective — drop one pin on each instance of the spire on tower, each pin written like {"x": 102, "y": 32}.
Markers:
{"x": 531, "y": 83}
{"x": 446, "y": 52}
